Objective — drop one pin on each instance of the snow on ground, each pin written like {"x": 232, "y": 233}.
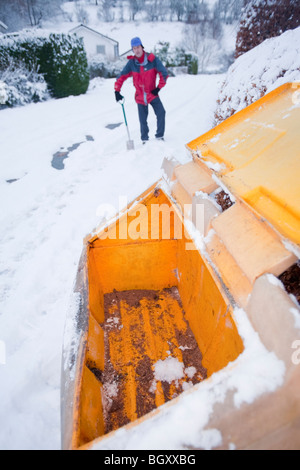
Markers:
{"x": 45, "y": 215}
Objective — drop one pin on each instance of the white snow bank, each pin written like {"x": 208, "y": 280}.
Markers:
{"x": 274, "y": 62}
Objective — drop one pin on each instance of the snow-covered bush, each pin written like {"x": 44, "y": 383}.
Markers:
{"x": 18, "y": 71}
{"x": 176, "y": 57}
{"x": 21, "y": 86}
{"x": 100, "y": 66}
{"x": 264, "y": 19}
{"x": 21, "y": 47}
{"x": 274, "y": 62}
{"x": 3, "y": 93}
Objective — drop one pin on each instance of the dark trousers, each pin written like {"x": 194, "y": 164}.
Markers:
{"x": 160, "y": 117}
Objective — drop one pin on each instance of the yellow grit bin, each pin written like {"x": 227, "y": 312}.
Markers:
{"x": 158, "y": 285}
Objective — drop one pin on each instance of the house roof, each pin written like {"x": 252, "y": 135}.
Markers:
{"x": 126, "y": 53}
{"x": 73, "y": 30}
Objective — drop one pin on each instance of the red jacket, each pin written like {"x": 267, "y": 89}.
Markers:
{"x": 144, "y": 77}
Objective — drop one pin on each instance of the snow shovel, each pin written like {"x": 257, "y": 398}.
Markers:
{"x": 130, "y": 143}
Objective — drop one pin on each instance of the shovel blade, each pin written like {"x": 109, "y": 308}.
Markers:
{"x": 130, "y": 145}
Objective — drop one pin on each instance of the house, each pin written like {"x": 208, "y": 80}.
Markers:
{"x": 97, "y": 43}
{"x": 3, "y": 27}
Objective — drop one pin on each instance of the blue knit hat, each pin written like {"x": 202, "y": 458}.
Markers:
{"x": 136, "y": 42}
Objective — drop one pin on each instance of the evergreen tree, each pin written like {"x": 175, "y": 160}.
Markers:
{"x": 64, "y": 64}
{"x": 177, "y": 8}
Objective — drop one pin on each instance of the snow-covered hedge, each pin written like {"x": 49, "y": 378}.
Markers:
{"x": 274, "y": 62}
{"x": 21, "y": 47}
{"x": 42, "y": 57}
{"x": 265, "y": 19}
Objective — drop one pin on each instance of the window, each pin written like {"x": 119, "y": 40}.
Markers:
{"x": 100, "y": 49}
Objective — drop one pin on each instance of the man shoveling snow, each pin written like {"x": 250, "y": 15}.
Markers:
{"x": 144, "y": 68}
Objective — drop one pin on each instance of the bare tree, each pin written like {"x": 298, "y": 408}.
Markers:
{"x": 11, "y": 15}
{"x": 41, "y": 10}
{"x": 229, "y": 10}
{"x": 216, "y": 23}
{"x": 21, "y": 13}
{"x": 194, "y": 35}
{"x": 105, "y": 11}
{"x": 177, "y": 8}
{"x": 163, "y": 9}
{"x": 135, "y": 6}
{"x": 82, "y": 14}
{"x": 196, "y": 11}
{"x": 152, "y": 10}
{"x": 34, "y": 10}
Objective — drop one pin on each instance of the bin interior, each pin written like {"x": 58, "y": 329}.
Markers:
{"x": 159, "y": 322}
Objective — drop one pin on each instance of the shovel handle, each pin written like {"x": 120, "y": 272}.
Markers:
{"x": 122, "y": 104}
